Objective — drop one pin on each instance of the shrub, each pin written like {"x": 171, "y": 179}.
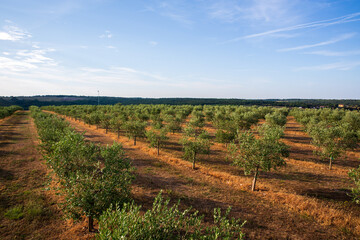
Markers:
{"x": 165, "y": 222}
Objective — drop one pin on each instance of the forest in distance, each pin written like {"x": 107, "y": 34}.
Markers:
{"x": 58, "y": 100}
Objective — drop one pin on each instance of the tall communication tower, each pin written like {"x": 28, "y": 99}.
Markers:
{"x": 98, "y": 97}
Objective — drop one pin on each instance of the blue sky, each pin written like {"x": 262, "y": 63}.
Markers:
{"x": 199, "y": 48}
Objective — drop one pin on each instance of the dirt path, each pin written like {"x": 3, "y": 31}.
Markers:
{"x": 27, "y": 210}
{"x": 266, "y": 219}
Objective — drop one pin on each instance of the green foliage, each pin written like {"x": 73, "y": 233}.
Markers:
{"x": 276, "y": 118}
{"x": 331, "y": 140}
{"x": 223, "y": 136}
{"x": 173, "y": 123}
{"x": 332, "y": 131}
{"x": 7, "y": 111}
{"x": 105, "y": 122}
{"x": 165, "y": 222}
{"x": 117, "y": 123}
{"x": 15, "y": 213}
{"x": 157, "y": 139}
{"x": 264, "y": 153}
{"x": 135, "y": 129}
{"x": 50, "y": 128}
{"x": 192, "y": 147}
{"x": 95, "y": 118}
{"x": 354, "y": 174}
{"x": 92, "y": 177}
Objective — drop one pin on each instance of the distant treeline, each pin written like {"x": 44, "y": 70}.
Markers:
{"x": 57, "y": 100}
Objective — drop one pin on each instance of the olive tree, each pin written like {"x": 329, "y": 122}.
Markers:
{"x": 135, "y": 129}
{"x": 354, "y": 174}
{"x": 192, "y": 147}
{"x": 331, "y": 141}
{"x": 117, "y": 123}
{"x": 157, "y": 139}
{"x": 276, "y": 118}
{"x": 105, "y": 122}
{"x": 255, "y": 154}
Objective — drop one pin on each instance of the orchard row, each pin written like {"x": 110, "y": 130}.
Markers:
{"x": 95, "y": 181}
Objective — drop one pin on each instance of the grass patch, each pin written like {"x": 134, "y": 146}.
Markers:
{"x": 15, "y": 213}
{"x": 34, "y": 209}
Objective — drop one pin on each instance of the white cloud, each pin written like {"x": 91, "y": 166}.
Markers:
{"x": 13, "y": 33}
{"x": 343, "y": 66}
{"x": 23, "y": 60}
{"x": 324, "y": 43}
{"x": 9, "y": 64}
{"x": 111, "y": 47}
{"x": 107, "y": 34}
{"x": 36, "y": 56}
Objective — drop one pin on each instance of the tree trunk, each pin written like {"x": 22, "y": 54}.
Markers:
{"x": 158, "y": 147}
{"x": 255, "y": 178}
{"x": 118, "y": 133}
{"x": 330, "y": 164}
{"x": 194, "y": 159}
{"x": 90, "y": 223}
{"x": 106, "y": 130}
{"x": 134, "y": 140}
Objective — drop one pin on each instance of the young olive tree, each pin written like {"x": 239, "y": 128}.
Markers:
{"x": 135, "y": 129}
{"x": 173, "y": 123}
{"x": 105, "y": 122}
{"x": 163, "y": 221}
{"x": 331, "y": 141}
{"x": 95, "y": 119}
{"x": 99, "y": 184}
{"x": 196, "y": 124}
{"x": 276, "y": 118}
{"x": 255, "y": 154}
{"x": 157, "y": 139}
{"x": 223, "y": 136}
{"x": 354, "y": 174}
{"x": 192, "y": 147}
{"x": 117, "y": 123}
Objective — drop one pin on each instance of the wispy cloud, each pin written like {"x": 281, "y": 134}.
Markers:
{"x": 343, "y": 66}
{"x": 23, "y": 59}
{"x": 36, "y": 56}
{"x": 174, "y": 10}
{"x": 268, "y": 11}
{"x": 14, "y": 65}
{"x": 13, "y": 33}
{"x": 107, "y": 34}
{"x": 324, "y": 43}
{"x": 327, "y": 53}
{"x": 153, "y": 43}
{"x": 354, "y": 17}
